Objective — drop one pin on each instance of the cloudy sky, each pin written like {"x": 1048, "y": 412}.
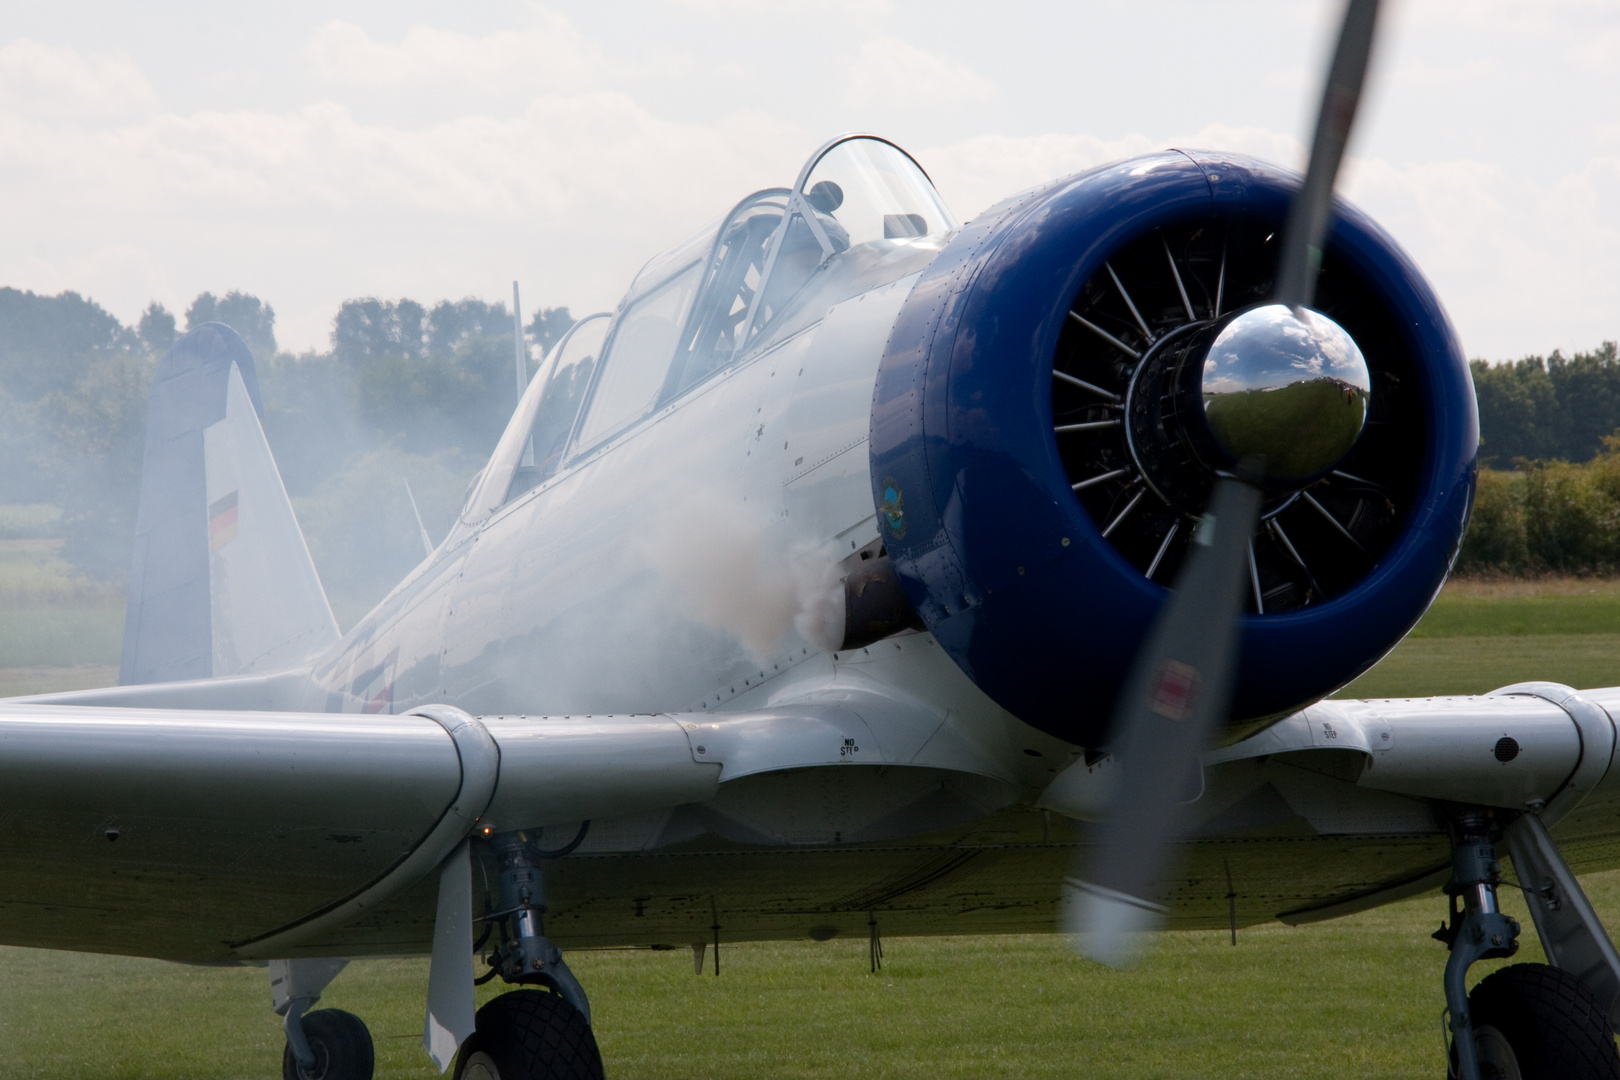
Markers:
{"x": 310, "y": 152}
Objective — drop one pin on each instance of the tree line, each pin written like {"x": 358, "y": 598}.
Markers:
{"x": 1548, "y": 499}
{"x": 405, "y": 393}
{"x": 1547, "y": 408}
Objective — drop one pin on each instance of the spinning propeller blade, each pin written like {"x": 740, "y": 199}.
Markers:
{"x": 1176, "y": 696}
{"x": 1308, "y": 218}
{"x": 1180, "y": 687}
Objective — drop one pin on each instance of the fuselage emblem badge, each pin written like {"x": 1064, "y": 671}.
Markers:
{"x": 893, "y": 508}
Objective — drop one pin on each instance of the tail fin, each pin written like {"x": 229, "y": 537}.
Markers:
{"x": 222, "y": 582}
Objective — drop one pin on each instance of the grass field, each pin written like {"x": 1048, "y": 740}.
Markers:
{"x": 1480, "y": 635}
{"x": 50, "y": 617}
{"x": 1358, "y": 996}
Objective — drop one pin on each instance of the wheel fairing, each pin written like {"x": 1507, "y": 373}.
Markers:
{"x": 961, "y": 434}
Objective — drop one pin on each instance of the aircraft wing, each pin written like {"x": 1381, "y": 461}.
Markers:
{"x": 1388, "y": 768}
{"x": 223, "y": 836}
{"x": 215, "y": 836}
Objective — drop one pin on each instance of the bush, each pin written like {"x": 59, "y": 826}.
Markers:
{"x": 1548, "y": 517}
{"x": 1571, "y": 523}
{"x": 1495, "y": 541}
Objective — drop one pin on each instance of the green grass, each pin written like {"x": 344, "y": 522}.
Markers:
{"x": 1356, "y": 997}
{"x": 1550, "y": 606}
{"x": 19, "y": 521}
{"x": 1421, "y": 667}
{"x": 49, "y": 616}
{"x": 34, "y": 638}
{"x": 1480, "y": 635}
{"x": 18, "y": 681}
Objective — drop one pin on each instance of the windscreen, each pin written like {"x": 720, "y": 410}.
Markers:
{"x": 875, "y": 192}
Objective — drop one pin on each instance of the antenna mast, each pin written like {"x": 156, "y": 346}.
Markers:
{"x": 519, "y": 360}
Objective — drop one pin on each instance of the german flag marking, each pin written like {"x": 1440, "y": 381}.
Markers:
{"x": 221, "y": 522}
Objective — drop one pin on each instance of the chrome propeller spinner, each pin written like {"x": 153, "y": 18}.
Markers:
{"x": 1286, "y": 385}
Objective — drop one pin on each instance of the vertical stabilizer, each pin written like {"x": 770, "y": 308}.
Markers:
{"x": 222, "y": 582}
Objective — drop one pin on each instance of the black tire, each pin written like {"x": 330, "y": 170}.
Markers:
{"x": 1553, "y": 1028}
{"x": 341, "y": 1044}
{"x": 529, "y": 1035}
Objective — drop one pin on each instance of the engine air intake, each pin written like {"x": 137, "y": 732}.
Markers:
{"x": 1068, "y": 377}
{"x": 1146, "y": 409}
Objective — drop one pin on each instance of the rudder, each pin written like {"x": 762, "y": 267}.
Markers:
{"x": 221, "y": 581}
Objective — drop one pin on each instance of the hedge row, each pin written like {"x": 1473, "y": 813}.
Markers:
{"x": 1547, "y": 517}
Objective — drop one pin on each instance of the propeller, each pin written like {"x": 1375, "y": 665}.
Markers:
{"x": 1179, "y": 689}
{"x": 1308, "y": 219}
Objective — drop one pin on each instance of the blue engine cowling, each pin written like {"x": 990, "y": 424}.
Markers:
{"x": 1003, "y": 560}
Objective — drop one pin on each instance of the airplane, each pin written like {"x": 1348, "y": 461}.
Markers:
{"x": 863, "y": 572}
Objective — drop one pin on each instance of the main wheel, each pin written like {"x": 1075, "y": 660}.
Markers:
{"x": 341, "y": 1044}
{"x": 529, "y": 1035}
{"x": 1534, "y": 1022}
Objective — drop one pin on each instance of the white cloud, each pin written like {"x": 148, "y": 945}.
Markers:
{"x": 549, "y": 53}
{"x": 1600, "y": 53}
{"x": 1442, "y": 74}
{"x": 48, "y": 81}
{"x": 310, "y": 206}
{"x": 441, "y": 160}
{"x": 976, "y": 173}
{"x": 1523, "y": 267}
{"x": 888, "y": 71}
{"x": 795, "y": 9}
{"x": 1511, "y": 16}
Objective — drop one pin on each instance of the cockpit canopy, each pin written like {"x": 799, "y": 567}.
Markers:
{"x": 697, "y": 308}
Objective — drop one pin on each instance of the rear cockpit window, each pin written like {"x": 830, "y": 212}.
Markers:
{"x": 799, "y": 254}
{"x": 559, "y": 403}
{"x": 535, "y": 436}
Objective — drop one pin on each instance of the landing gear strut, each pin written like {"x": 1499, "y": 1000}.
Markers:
{"x": 1481, "y": 933}
{"x": 327, "y": 1044}
{"x": 529, "y": 1034}
{"x": 1528, "y": 1021}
